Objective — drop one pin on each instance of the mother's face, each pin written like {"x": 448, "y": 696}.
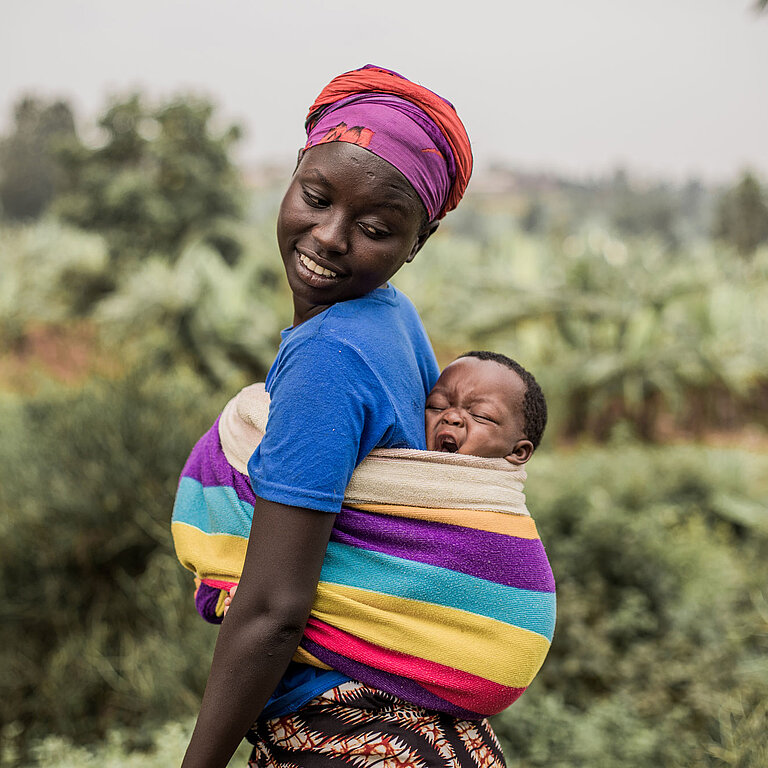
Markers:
{"x": 347, "y": 223}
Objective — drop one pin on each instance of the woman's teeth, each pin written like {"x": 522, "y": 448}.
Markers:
{"x": 314, "y": 267}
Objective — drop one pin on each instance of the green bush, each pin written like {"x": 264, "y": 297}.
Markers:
{"x": 659, "y": 656}
{"x": 160, "y": 748}
{"x": 162, "y": 175}
{"x": 98, "y": 627}
{"x": 47, "y": 269}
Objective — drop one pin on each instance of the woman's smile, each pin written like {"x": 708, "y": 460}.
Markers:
{"x": 314, "y": 271}
{"x": 314, "y": 267}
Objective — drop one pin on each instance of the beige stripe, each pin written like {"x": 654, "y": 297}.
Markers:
{"x": 390, "y": 476}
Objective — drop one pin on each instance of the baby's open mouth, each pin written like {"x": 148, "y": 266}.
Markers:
{"x": 447, "y": 444}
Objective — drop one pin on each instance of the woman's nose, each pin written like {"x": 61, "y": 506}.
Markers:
{"x": 330, "y": 233}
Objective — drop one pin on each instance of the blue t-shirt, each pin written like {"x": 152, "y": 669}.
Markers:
{"x": 353, "y": 378}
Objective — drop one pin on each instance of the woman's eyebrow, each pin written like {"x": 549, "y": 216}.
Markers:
{"x": 401, "y": 206}
{"x": 320, "y": 176}
{"x": 397, "y": 198}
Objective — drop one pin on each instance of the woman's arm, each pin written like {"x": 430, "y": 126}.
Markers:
{"x": 263, "y": 626}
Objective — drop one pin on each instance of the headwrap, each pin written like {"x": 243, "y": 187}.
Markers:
{"x": 409, "y": 126}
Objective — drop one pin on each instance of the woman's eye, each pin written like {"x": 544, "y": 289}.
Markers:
{"x": 314, "y": 200}
{"x": 373, "y": 232}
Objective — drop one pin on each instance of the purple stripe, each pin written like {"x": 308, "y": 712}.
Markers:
{"x": 401, "y": 687}
{"x": 208, "y": 465}
{"x": 206, "y": 600}
{"x": 494, "y": 557}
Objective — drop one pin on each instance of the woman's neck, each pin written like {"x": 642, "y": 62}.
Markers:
{"x": 303, "y": 311}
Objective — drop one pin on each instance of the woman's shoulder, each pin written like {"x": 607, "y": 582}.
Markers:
{"x": 371, "y": 317}
{"x": 384, "y": 309}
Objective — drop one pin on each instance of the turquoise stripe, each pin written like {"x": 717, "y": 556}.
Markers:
{"x": 378, "y": 572}
{"x": 213, "y": 509}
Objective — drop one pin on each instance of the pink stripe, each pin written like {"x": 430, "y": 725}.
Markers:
{"x": 217, "y": 584}
{"x": 462, "y": 688}
{"x": 492, "y": 697}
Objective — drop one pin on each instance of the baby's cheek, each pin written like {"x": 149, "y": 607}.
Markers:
{"x": 428, "y": 431}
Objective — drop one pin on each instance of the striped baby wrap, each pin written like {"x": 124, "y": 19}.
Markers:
{"x": 435, "y": 586}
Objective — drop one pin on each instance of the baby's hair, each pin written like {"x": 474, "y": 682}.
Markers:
{"x": 534, "y": 404}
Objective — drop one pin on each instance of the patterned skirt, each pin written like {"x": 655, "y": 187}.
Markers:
{"x": 356, "y": 726}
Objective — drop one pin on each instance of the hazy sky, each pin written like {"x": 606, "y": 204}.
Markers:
{"x": 664, "y": 87}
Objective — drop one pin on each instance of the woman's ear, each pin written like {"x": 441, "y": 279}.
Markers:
{"x": 520, "y": 453}
{"x": 422, "y": 238}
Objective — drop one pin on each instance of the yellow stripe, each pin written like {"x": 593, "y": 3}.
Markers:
{"x": 305, "y": 657}
{"x": 521, "y": 526}
{"x": 485, "y": 647}
{"x": 220, "y": 603}
{"x": 218, "y": 556}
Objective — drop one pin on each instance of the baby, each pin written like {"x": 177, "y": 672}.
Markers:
{"x": 483, "y": 404}
{"x": 486, "y": 404}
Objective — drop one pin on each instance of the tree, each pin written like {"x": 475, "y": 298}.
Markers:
{"x": 161, "y": 177}
{"x": 636, "y": 210}
{"x": 28, "y": 166}
{"x": 742, "y": 216}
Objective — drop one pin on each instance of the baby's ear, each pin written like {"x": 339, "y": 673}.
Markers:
{"x": 520, "y": 453}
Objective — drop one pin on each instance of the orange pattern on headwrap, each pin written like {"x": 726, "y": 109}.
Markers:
{"x": 357, "y": 135}
{"x": 377, "y": 80}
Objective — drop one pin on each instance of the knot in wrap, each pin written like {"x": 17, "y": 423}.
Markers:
{"x": 409, "y": 126}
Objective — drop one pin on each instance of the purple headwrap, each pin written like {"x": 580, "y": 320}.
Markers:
{"x": 397, "y": 131}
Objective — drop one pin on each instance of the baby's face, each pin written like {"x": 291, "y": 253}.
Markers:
{"x": 476, "y": 407}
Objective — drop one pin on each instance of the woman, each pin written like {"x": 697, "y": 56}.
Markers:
{"x": 384, "y": 160}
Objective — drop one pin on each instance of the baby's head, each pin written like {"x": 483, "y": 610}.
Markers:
{"x": 486, "y": 404}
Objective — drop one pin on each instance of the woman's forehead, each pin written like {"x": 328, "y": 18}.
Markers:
{"x": 347, "y": 167}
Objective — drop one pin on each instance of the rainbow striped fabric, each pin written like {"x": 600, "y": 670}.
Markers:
{"x": 450, "y": 608}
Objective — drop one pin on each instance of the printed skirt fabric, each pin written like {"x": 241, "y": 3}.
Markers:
{"x": 356, "y": 726}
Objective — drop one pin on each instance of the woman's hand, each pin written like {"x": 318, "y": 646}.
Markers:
{"x": 263, "y": 627}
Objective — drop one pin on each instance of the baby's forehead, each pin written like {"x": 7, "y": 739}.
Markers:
{"x": 483, "y": 378}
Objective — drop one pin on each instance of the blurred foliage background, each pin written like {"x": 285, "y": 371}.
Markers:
{"x": 140, "y": 287}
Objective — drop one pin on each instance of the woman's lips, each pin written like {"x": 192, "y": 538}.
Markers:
{"x": 313, "y": 273}
{"x": 314, "y": 266}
